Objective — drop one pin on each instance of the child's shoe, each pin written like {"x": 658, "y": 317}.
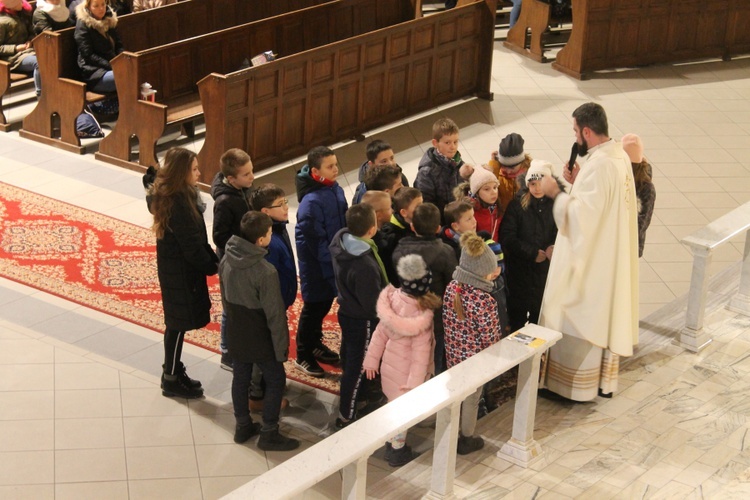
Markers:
{"x": 323, "y": 354}
{"x": 400, "y": 456}
{"x": 172, "y": 386}
{"x": 226, "y": 362}
{"x": 244, "y": 432}
{"x": 182, "y": 374}
{"x": 469, "y": 444}
{"x": 310, "y": 367}
{"x": 272, "y": 440}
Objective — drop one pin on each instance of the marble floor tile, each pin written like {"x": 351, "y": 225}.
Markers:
{"x": 115, "y": 490}
{"x": 76, "y": 466}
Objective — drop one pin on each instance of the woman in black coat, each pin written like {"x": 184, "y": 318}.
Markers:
{"x": 183, "y": 259}
{"x": 98, "y": 43}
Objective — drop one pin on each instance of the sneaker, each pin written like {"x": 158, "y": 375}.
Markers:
{"x": 310, "y": 367}
{"x": 401, "y": 456}
{"x": 469, "y": 444}
{"x": 323, "y": 354}
{"x": 226, "y": 361}
{"x": 177, "y": 388}
{"x": 274, "y": 441}
{"x": 244, "y": 432}
{"x": 341, "y": 423}
{"x": 256, "y": 405}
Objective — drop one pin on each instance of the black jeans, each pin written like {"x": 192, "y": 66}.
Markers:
{"x": 173, "y": 340}
{"x": 310, "y": 327}
{"x": 355, "y": 337}
{"x": 275, "y": 377}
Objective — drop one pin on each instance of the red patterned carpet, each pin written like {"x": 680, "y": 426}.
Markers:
{"x": 108, "y": 265}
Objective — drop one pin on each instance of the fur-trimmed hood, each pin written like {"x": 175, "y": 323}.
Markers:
{"x": 103, "y": 25}
{"x": 401, "y": 315}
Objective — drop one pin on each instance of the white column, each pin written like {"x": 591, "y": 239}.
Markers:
{"x": 354, "y": 485}
{"x": 521, "y": 449}
{"x": 741, "y": 302}
{"x": 444, "y": 454}
{"x": 693, "y": 337}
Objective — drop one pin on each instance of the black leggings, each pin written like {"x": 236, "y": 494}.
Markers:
{"x": 173, "y": 340}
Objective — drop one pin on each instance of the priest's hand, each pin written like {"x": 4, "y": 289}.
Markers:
{"x": 570, "y": 175}
{"x": 541, "y": 256}
{"x": 549, "y": 251}
{"x": 550, "y": 187}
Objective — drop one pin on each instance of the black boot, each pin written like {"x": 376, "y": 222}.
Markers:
{"x": 272, "y": 440}
{"x": 401, "y": 456}
{"x": 244, "y": 432}
{"x": 469, "y": 444}
{"x": 182, "y": 374}
{"x": 172, "y": 386}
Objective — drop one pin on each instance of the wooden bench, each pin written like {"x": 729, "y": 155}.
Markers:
{"x": 283, "y": 108}
{"x": 175, "y": 69}
{"x": 350, "y": 448}
{"x": 64, "y": 96}
{"x": 8, "y": 81}
{"x": 536, "y": 17}
{"x": 702, "y": 244}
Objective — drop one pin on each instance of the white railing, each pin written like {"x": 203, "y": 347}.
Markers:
{"x": 702, "y": 243}
{"x": 349, "y": 448}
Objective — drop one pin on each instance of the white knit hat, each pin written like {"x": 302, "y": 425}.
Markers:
{"x": 479, "y": 178}
{"x": 538, "y": 169}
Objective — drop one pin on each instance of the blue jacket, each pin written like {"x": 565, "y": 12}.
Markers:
{"x": 321, "y": 214}
{"x": 281, "y": 257}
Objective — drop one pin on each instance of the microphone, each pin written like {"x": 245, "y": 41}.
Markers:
{"x": 573, "y": 156}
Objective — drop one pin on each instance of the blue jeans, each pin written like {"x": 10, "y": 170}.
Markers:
{"x": 515, "y": 12}
{"x": 107, "y": 84}
{"x": 30, "y": 67}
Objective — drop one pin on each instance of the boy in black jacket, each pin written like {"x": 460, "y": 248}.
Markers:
{"x": 257, "y": 331}
{"x": 360, "y": 276}
{"x": 405, "y": 201}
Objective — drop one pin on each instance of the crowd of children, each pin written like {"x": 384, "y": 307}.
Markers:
{"x": 419, "y": 273}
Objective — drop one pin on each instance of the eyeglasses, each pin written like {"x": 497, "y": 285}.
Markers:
{"x": 283, "y": 202}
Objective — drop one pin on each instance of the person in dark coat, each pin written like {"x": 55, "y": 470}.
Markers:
{"x": 321, "y": 214}
{"x": 119, "y": 7}
{"x": 51, "y": 15}
{"x": 16, "y": 33}
{"x": 379, "y": 153}
{"x": 98, "y": 43}
{"x": 183, "y": 260}
{"x": 528, "y": 232}
{"x": 440, "y": 259}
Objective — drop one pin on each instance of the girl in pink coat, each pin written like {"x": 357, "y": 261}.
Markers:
{"x": 404, "y": 341}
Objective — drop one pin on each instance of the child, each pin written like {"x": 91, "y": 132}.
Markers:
{"x": 471, "y": 322}
{"x": 379, "y": 153}
{"x": 481, "y": 192}
{"x": 405, "y": 201}
{"x": 360, "y": 276}
{"x": 257, "y": 330}
{"x": 644, "y": 187}
{"x": 403, "y": 340}
{"x": 441, "y": 168}
{"x": 440, "y": 260}
{"x": 386, "y": 178}
{"x": 528, "y": 233}
{"x": 230, "y": 190}
{"x": 459, "y": 218}
{"x": 270, "y": 199}
{"x": 380, "y": 201}
{"x": 319, "y": 217}
{"x": 183, "y": 260}
{"x": 510, "y": 165}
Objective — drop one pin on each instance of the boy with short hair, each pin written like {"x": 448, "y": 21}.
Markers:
{"x": 441, "y": 168}
{"x": 360, "y": 276}
{"x": 459, "y": 218}
{"x": 384, "y": 178}
{"x": 257, "y": 331}
{"x": 321, "y": 214}
{"x": 380, "y": 201}
{"x": 405, "y": 201}
{"x": 230, "y": 190}
{"x": 440, "y": 259}
{"x": 379, "y": 153}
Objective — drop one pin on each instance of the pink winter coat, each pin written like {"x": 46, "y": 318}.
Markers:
{"x": 404, "y": 341}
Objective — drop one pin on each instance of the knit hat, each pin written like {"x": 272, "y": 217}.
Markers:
{"x": 479, "y": 178}
{"x": 538, "y": 169}
{"x": 510, "y": 153}
{"x": 476, "y": 257}
{"x": 633, "y": 146}
{"x": 414, "y": 274}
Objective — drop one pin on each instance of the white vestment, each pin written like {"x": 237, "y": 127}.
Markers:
{"x": 591, "y": 295}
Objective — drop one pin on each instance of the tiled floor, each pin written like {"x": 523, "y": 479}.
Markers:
{"x": 81, "y": 415}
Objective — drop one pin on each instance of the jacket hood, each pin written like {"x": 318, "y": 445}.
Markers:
{"x": 345, "y": 246}
{"x": 241, "y": 254}
{"x": 401, "y": 315}
{"x": 103, "y": 25}
{"x": 219, "y": 187}
{"x": 363, "y": 171}
{"x": 305, "y": 183}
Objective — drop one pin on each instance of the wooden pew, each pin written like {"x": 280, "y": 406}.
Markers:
{"x": 64, "y": 96}
{"x": 281, "y": 109}
{"x": 174, "y": 69}
{"x": 536, "y": 16}
{"x": 8, "y": 81}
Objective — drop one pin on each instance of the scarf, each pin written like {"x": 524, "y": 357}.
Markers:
{"x": 321, "y": 180}
{"x": 374, "y": 248}
{"x": 58, "y": 13}
{"x": 454, "y": 162}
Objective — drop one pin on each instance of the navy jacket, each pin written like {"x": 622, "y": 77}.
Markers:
{"x": 358, "y": 276}
{"x": 321, "y": 214}
{"x": 281, "y": 257}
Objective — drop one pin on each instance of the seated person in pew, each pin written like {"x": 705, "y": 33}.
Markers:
{"x": 16, "y": 33}
{"x": 51, "y": 15}
{"x": 98, "y": 42}
{"x": 139, "y": 5}
{"x": 119, "y": 7}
